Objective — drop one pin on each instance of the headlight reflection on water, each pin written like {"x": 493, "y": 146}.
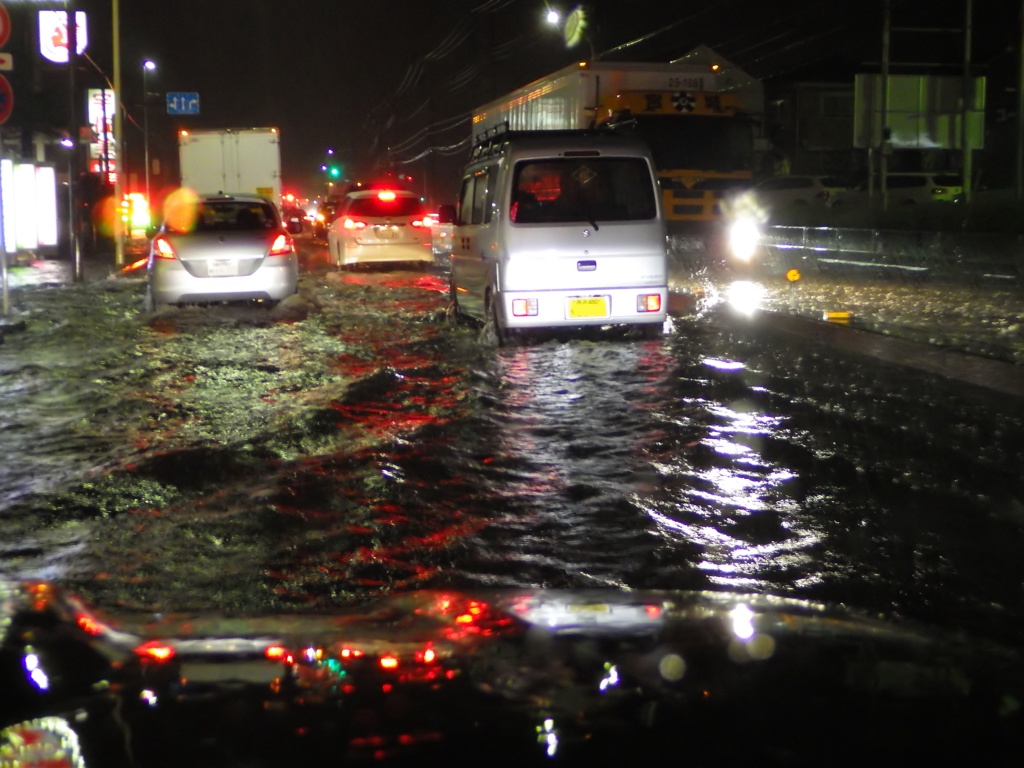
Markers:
{"x": 745, "y": 296}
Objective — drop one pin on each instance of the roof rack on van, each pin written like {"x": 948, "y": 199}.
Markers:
{"x": 490, "y": 142}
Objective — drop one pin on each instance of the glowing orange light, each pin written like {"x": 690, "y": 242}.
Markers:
{"x": 89, "y": 624}
{"x": 181, "y": 208}
{"x": 386, "y": 195}
{"x": 155, "y": 650}
{"x": 389, "y": 662}
{"x": 276, "y": 652}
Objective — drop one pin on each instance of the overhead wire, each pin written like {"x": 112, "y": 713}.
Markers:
{"x": 739, "y": 45}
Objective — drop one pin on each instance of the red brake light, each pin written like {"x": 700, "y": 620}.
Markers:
{"x": 162, "y": 248}
{"x": 282, "y": 246}
{"x": 386, "y": 195}
{"x": 155, "y": 650}
{"x": 276, "y": 652}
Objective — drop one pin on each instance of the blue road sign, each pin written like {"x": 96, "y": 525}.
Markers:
{"x": 183, "y": 103}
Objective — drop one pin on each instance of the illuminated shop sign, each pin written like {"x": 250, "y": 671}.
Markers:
{"x": 53, "y": 35}
{"x": 102, "y": 103}
{"x": 28, "y": 202}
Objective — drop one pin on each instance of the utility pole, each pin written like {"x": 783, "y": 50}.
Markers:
{"x": 1019, "y": 174}
{"x": 118, "y": 142}
{"x": 967, "y": 101}
{"x": 74, "y": 251}
{"x": 884, "y": 147}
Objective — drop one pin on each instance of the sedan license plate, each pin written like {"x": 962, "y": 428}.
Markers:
{"x": 588, "y": 306}
{"x": 222, "y": 267}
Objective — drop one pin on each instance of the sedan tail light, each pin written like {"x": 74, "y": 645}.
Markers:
{"x": 419, "y": 223}
{"x": 282, "y": 246}
{"x": 162, "y": 248}
{"x": 354, "y": 224}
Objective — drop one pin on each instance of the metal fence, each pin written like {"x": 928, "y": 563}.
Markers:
{"x": 909, "y": 254}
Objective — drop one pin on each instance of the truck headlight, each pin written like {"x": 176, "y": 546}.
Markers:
{"x": 744, "y": 236}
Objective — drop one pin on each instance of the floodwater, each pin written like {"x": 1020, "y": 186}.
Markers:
{"x": 355, "y": 443}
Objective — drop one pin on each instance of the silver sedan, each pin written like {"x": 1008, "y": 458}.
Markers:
{"x": 221, "y": 248}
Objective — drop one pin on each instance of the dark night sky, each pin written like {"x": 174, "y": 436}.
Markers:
{"x": 364, "y": 76}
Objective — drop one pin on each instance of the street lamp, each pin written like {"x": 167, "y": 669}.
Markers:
{"x": 147, "y": 66}
{"x": 573, "y": 27}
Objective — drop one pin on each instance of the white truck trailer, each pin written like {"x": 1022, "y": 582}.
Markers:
{"x": 243, "y": 160}
{"x": 701, "y": 117}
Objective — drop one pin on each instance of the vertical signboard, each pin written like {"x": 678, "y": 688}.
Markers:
{"x": 102, "y": 149}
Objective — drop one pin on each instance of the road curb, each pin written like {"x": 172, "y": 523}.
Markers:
{"x": 1007, "y": 378}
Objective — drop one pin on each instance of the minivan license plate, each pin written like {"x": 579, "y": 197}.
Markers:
{"x": 588, "y": 306}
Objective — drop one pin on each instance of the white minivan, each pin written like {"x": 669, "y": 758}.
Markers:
{"x": 559, "y": 230}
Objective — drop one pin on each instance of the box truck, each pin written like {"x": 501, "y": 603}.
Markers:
{"x": 243, "y": 160}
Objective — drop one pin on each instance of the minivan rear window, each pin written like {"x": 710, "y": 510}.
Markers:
{"x": 560, "y": 190}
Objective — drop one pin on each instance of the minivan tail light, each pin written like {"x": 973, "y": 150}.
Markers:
{"x": 282, "y": 246}
{"x": 162, "y": 248}
{"x": 648, "y": 302}
{"x": 524, "y": 307}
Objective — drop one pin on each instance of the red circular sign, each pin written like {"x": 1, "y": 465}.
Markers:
{"x": 6, "y": 99}
{"x": 5, "y": 26}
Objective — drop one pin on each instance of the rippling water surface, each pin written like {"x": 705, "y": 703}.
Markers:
{"x": 215, "y": 459}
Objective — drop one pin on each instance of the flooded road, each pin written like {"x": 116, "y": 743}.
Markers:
{"x": 355, "y": 443}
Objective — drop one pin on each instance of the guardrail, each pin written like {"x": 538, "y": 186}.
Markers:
{"x": 923, "y": 254}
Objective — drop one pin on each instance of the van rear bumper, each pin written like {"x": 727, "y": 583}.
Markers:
{"x": 555, "y": 309}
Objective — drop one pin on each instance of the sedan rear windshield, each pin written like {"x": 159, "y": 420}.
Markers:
{"x": 377, "y": 208}
{"x": 229, "y": 216}
{"x": 582, "y": 189}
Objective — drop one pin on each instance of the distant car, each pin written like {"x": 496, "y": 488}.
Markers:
{"x": 294, "y": 218}
{"x": 325, "y": 214}
{"x": 225, "y": 248}
{"x": 781, "y": 191}
{"x": 380, "y": 226}
{"x": 910, "y": 188}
